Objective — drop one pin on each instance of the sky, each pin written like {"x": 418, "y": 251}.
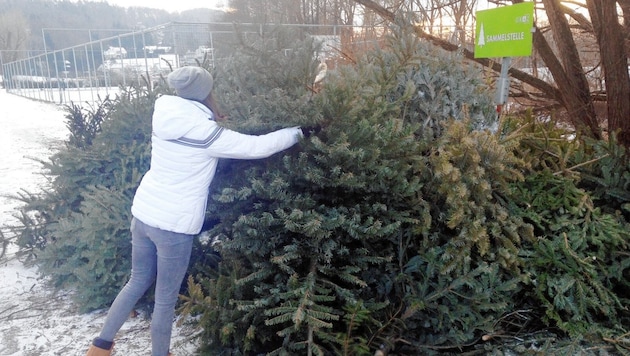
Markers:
{"x": 168, "y": 5}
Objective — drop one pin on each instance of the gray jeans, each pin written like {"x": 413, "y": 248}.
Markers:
{"x": 159, "y": 256}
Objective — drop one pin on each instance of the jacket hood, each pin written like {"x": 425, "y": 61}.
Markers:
{"x": 173, "y": 116}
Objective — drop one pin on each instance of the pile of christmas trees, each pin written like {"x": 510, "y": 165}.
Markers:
{"x": 413, "y": 222}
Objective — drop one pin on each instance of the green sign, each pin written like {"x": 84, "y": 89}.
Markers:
{"x": 505, "y": 31}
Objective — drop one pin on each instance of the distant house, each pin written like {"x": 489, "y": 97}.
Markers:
{"x": 161, "y": 64}
{"x": 157, "y": 49}
{"x": 117, "y": 71}
{"x": 115, "y": 53}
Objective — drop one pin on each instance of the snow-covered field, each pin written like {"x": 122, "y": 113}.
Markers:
{"x": 35, "y": 320}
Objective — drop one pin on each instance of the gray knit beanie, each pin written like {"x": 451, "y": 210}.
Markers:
{"x": 191, "y": 82}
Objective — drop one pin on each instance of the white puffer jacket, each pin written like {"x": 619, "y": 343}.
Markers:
{"x": 185, "y": 148}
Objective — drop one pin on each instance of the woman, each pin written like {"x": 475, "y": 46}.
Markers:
{"x": 169, "y": 206}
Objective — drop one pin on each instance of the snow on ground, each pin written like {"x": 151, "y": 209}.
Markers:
{"x": 34, "y": 319}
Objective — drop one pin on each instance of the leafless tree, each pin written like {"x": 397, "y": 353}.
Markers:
{"x": 566, "y": 68}
{"x": 611, "y": 38}
{"x": 321, "y": 12}
{"x": 609, "y": 29}
{"x": 13, "y": 35}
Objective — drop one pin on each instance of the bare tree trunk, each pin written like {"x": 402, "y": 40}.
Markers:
{"x": 459, "y": 14}
{"x": 625, "y": 10}
{"x": 609, "y": 34}
{"x": 572, "y": 83}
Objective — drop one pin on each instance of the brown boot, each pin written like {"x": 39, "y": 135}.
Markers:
{"x": 98, "y": 351}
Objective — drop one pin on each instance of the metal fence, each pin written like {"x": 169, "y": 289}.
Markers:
{"x": 88, "y": 72}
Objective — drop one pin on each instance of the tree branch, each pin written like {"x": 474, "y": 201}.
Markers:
{"x": 549, "y": 90}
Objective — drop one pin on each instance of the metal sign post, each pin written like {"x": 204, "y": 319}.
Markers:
{"x": 503, "y": 85}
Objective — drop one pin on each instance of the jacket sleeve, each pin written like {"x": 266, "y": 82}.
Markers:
{"x": 231, "y": 144}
